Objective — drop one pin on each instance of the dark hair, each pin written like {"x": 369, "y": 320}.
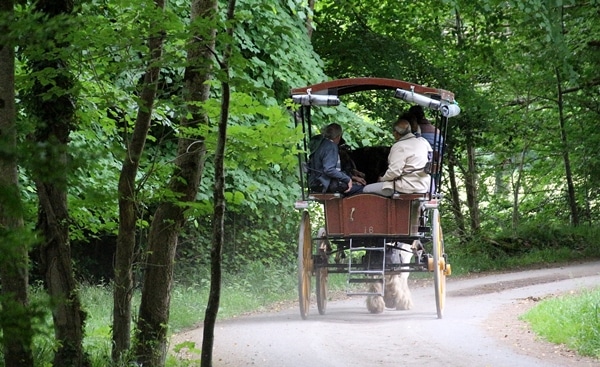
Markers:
{"x": 418, "y": 112}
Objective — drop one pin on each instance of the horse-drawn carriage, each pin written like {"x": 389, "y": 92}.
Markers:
{"x": 377, "y": 241}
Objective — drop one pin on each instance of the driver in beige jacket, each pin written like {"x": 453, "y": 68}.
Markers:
{"x": 406, "y": 162}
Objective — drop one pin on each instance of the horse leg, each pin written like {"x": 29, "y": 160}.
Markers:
{"x": 375, "y": 303}
{"x": 403, "y": 296}
{"x": 391, "y": 291}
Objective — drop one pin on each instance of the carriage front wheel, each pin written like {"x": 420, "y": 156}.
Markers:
{"x": 439, "y": 262}
{"x": 305, "y": 264}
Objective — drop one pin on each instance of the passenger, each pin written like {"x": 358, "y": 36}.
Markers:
{"x": 426, "y": 128}
{"x": 406, "y": 165}
{"x": 348, "y": 165}
{"x": 414, "y": 122}
{"x": 435, "y": 139}
{"x": 325, "y": 170}
{"x": 414, "y": 118}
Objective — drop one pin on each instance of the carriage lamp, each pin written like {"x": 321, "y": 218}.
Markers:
{"x": 448, "y": 110}
{"x": 421, "y": 100}
{"x": 316, "y": 100}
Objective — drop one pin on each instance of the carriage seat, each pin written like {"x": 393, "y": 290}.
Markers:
{"x": 324, "y": 196}
{"x": 395, "y": 196}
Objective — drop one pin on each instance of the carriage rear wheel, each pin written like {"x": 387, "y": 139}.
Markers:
{"x": 321, "y": 271}
{"x": 439, "y": 262}
{"x": 305, "y": 264}
{"x": 321, "y": 277}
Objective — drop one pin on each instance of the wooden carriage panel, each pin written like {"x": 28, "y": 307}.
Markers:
{"x": 372, "y": 215}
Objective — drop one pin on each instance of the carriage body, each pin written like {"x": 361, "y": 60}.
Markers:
{"x": 369, "y": 215}
{"x": 367, "y": 236}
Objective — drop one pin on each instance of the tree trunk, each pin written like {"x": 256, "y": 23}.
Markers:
{"x": 15, "y": 319}
{"x": 565, "y": 152}
{"x": 67, "y": 313}
{"x": 56, "y": 114}
{"x": 123, "y": 281}
{"x": 471, "y": 173}
{"x": 471, "y": 186}
{"x": 309, "y": 19}
{"x": 455, "y": 203}
{"x": 516, "y": 188}
{"x": 216, "y": 254}
{"x": 150, "y": 349}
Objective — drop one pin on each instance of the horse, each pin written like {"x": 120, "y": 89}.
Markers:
{"x": 396, "y": 293}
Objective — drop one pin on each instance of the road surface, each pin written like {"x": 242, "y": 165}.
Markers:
{"x": 480, "y": 327}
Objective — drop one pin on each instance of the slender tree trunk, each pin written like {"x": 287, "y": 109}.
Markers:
{"x": 153, "y": 317}
{"x": 563, "y": 134}
{"x": 565, "y": 152}
{"x": 516, "y": 188}
{"x": 516, "y": 184}
{"x": 471, "y": 186}
{"x": 56, "y": 116}
{"x": 309, "y": 19}
{"x": 15, "y": 320}
{"x": 123, "y": 282}
{"x": 455, "y": 202}
{"x": 471, "y": 173}
{"x": 216, "y": 254}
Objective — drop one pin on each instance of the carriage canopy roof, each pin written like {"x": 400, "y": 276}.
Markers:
{"x": 327, "y": 93}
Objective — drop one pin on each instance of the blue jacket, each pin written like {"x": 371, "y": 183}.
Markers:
{"x": 324, "y": 166}
{"x": 432, "y": 135}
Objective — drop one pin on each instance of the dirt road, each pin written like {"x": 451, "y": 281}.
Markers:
{"x": 480, "y": 328}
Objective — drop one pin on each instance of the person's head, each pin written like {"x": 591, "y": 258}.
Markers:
{"x": 401, "y": 128}
{"x": 418, "y": 112}
{"x": 333, "y": 132}
{"x": 412, "y": 118}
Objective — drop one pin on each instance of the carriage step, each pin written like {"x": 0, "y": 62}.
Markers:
{"x": 380, "y": 272}
{"x": 365, "y": 280}
{"x": 367, "y": 248}
{"x": 364, "y": 294}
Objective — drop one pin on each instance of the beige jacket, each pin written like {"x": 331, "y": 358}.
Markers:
{"x": 408, "y": 156}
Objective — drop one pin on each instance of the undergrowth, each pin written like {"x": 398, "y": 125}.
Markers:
{"x": 530, "y": 246}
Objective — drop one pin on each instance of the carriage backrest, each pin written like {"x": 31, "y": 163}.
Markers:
{"x": 372, "y": 161}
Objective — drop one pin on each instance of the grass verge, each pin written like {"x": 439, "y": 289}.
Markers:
{"x": 571, "y": 320}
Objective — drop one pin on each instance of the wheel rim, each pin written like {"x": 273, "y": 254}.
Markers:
{"x": 305, "y": 265}
{"x": 439, "y": 262}
{"x": 321, "y": 277}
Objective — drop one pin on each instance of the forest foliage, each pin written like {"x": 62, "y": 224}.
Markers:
{"x": 496, "y": 57}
